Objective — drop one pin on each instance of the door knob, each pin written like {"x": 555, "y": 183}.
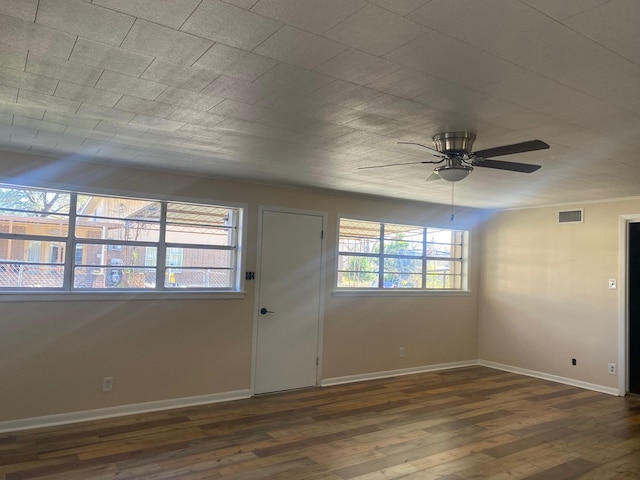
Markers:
{"x": 264, "y": 311}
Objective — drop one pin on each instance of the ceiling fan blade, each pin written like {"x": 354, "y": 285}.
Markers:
{"x": 395, "y": 164}
{"x": 433, "y": 177}
{"x": 502, "y": 165}
{"x": 530, "y": 146}
{"x": 422, "y": 147}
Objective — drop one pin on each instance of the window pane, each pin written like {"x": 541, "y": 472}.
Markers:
{"x": 403, "y": 239}
{"x": 49, "y": 225}
{"x": 405, "y": 280}
{"x": 114, "y": 255}
{"x": 450, "y": 237}
{"x": 94, "y": 206}
{"x": 23, "y": 202}
{"x": 359, "y": 228}
{"x": 34, "y": 212}
{"x": 357, "y": 279}
{"x": 437, "y": 235}
{"x": 33, "y": 251}
{"x": 402, "y": 265}
{"x": 114, "y": 266}
{"x": 443, "y": 274}
{"x": 440, "y": 250}
{"x": 114, "y": 277}
{"x": 200, "y": 257}
{"x": 204, "y": 215}
{"x": 31, "y": 263}
{"x": 402, "y": 273}
{"x": 116, "y": 218}
{"x": 358, "y": 271}
{"x": 358, "y": 263}
{"x": 24, "y": 275}
{"x": 199, "y": 235}
{"x": 359, "y": 236}
{"x": 403, "y": 247}
{"x": 114, "y": 229}
{"x": 201, "y": 224}
{"x": 444, "y": 243}
{"x": 444, "y": 266}
{"x": 444, "y": 281}
{"x": 359, "y": 245}
{"x": 199, "y": 278}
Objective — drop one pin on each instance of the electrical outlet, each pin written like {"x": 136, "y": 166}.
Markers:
{"x": 401, "y": 352}
{"x": 574, "y": 361}
{"x": 612, "y": 368}
{"x": 107, "y": 384}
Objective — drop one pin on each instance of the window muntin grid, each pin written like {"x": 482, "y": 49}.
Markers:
{"x": 118, "y": 243}
{"x": 375, "y": 255}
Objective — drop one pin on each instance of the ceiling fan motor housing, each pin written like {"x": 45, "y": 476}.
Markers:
{"x": 454, "y": 142}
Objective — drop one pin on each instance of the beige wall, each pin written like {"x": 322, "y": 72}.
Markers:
{"x": 544, "y": 291}
{"x": 54, "y": 354}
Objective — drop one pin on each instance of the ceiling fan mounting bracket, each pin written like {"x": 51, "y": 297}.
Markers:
{"x": 454, "y": 143}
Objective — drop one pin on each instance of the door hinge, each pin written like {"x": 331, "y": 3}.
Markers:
{"x": 322, "y": 235}
{"x": 317, "y": 361}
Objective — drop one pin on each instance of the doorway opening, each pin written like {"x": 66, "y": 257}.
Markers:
{"x": 632, "y": 294}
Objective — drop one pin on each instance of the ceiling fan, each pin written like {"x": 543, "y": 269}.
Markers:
{"x": 454, "y": 149}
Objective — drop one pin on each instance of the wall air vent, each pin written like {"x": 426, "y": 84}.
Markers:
{"x": 570, "y": 216}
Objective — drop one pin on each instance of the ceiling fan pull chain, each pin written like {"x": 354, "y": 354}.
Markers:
{"x": 452, "y": 214}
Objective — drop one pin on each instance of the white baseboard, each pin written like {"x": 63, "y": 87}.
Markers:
{"x": 119, "y": 411}
{"x": 395, "y": 373}
{"x": 553, "y": 378}
{"x": 122, "y": 410}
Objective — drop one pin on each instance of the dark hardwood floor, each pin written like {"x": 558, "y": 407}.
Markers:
{"x": 467, "y": 423}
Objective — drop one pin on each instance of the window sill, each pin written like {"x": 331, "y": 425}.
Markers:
{"x": 398, "y": 292}
{"x": 117, "y": 296}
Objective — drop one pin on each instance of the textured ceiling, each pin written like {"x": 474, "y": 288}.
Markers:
{"x": 304, "y": 92}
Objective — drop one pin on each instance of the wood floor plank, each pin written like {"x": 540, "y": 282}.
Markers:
{"x": 569, "y": 469}
{"x": 622, "y": 467}
{"x": 463, "y": 424}
{"x": 446, "y": 465}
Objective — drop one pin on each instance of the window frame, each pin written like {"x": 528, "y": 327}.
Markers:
{"x": 71, "y": 241}
{"x": 380, "y": 290}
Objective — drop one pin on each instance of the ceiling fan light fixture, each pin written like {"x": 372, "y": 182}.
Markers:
{"x": 453, "y": 173}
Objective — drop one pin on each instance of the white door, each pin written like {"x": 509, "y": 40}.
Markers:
{"x": 288, "y": 301}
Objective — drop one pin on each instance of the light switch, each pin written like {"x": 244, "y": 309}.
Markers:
{"x": 612, "y": 284}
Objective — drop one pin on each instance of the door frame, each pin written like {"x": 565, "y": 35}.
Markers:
{"x": 623, "y": 302}
{"x": 256, "y": 301}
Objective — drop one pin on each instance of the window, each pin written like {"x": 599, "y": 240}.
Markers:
{"x": 174, "y": 257}
{"x": 117, "y": 243}
{"x": 373, "y": 255}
